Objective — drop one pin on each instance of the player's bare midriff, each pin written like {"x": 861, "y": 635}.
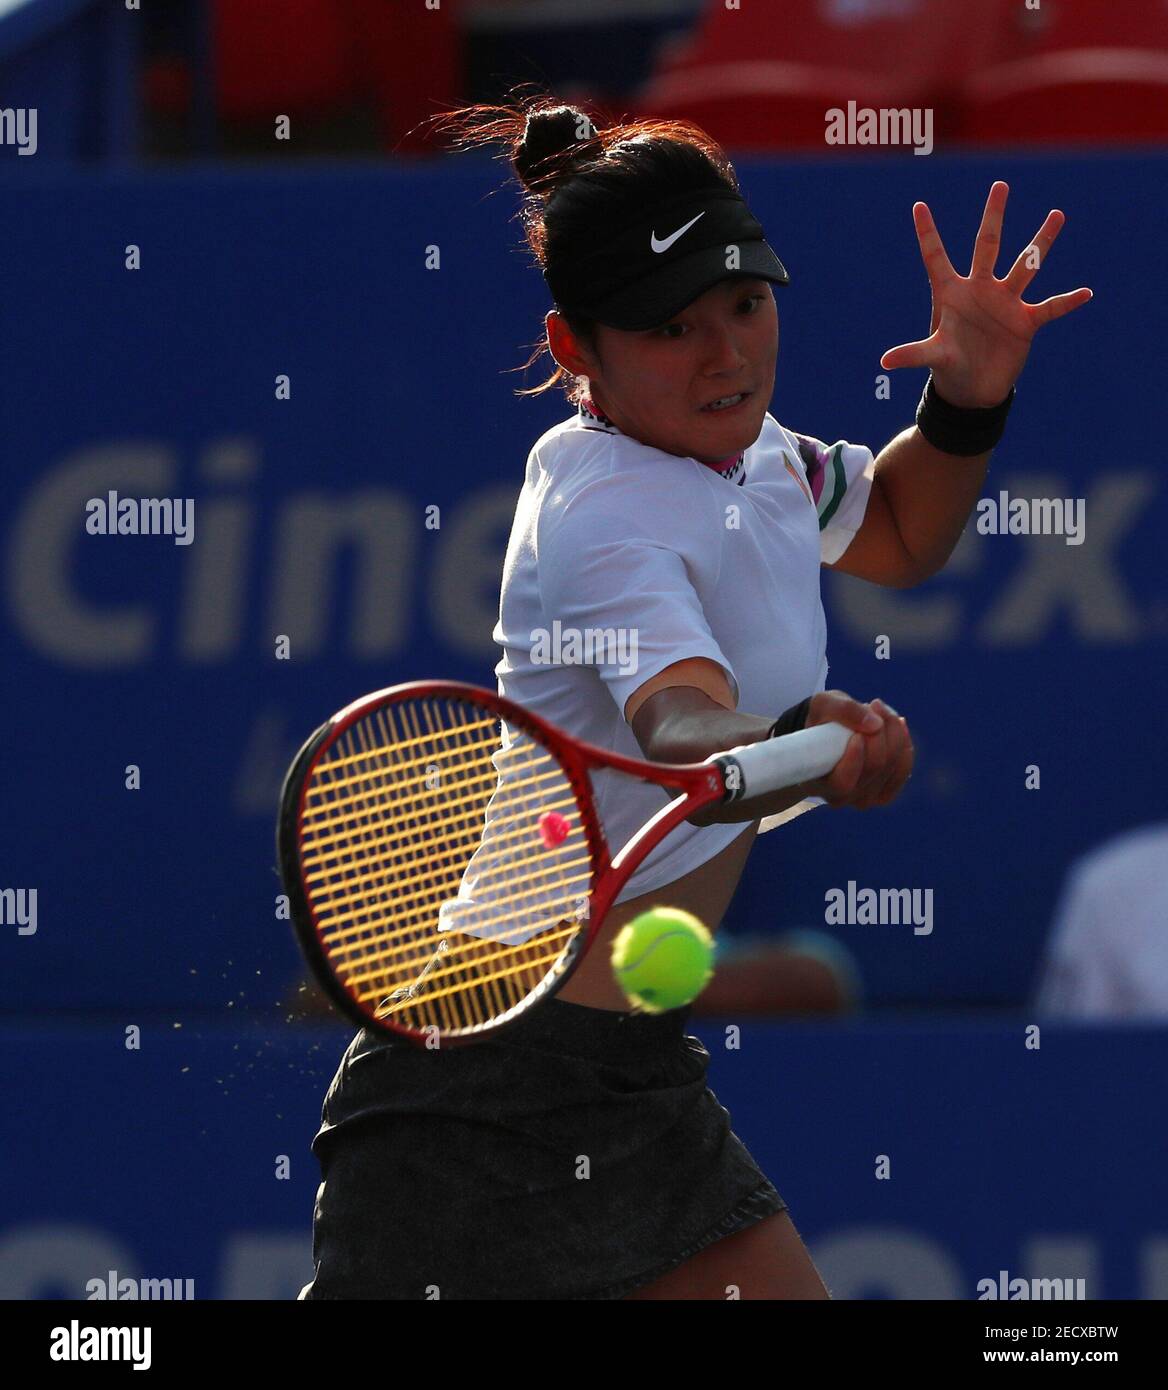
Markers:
{"x": 706, "y": 892}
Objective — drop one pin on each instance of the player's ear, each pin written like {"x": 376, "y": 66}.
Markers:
{"x": 571, "y": 354}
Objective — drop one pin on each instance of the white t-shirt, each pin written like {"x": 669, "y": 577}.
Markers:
{"x": 662, "y": 558}
{"x": 1108, "y": 952}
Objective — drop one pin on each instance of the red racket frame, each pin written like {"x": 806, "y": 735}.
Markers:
{"x": 701, "y": 783}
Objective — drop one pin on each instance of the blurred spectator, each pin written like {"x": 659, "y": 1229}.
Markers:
{"x": 800, "y": 972}
{"x": 1107, "y": 956}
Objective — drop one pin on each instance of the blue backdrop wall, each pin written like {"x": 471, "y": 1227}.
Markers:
{"x": 310, "y": 516}
{"x": 187, "y": 1158}
{"x": 157, "y": 906}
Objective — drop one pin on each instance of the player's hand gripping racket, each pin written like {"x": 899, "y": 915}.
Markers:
{"x": 444, "y": 859}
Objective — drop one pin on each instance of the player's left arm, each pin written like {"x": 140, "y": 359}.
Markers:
{"x": 979, "y": 339}
{"x": 928, "y": 493}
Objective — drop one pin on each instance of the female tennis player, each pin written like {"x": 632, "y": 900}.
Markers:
{"x": 581, "y": 1154}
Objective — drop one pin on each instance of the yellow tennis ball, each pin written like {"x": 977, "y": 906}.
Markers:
{"x": 663, "y": 959}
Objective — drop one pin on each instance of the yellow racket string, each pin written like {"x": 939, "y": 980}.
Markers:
{"x": 488, "y": 724}
{"x": 322, "y": 817}
{"x": 503, "y": 841}
{"x": 364, "y": 868}
{"x": 337, "y": 938}
{"x": 482, "y": 957}
{"x": 405, "y": 806}
{"x": 347, "y": 783}
{"x": 428, "y": 845}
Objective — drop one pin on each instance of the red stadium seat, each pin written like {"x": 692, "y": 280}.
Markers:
{"x": 283, "y": 56}
{"x": 1075, "y": 70}
{"x": 413, "y": 63}
{"x": 314, "y": 56}
{"x": 764, "y": 76}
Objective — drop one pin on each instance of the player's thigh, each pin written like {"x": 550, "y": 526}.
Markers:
{"x": 765, "y": 1260}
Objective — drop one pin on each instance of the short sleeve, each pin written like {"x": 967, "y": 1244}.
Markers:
{"x": 840, "y": 478}
{"x": 622, "y": 596}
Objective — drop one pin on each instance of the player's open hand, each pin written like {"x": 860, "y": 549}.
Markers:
{"x": 878, "y": 760}
{"x": 981, "y": 329}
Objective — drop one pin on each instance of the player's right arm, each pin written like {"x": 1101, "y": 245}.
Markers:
{"x": 686, "y": 712}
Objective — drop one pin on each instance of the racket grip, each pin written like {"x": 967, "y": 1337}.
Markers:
{"x": 774, "y": 763}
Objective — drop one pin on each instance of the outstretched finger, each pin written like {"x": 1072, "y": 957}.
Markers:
{"x": 1058, "y": 305}
{"x": 923, "y": 353}
{"x": 938, "y": 266}
{"x": 1031, "y": 260}
{"x": 989, "y": 234}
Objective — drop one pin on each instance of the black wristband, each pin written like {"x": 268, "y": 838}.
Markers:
{"x": 792, "y": 720}
{"x": 956, "y": 430}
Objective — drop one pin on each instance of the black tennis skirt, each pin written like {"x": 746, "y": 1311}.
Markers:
{"x": 580, "y": 1154}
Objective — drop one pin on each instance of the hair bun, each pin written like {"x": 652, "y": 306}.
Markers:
{"x": 550, "y": 136}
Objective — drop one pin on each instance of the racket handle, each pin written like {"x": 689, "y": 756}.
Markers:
{"x": 773, "y": 763}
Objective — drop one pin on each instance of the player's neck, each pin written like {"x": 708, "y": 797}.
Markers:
{"x": 592, "y": 412}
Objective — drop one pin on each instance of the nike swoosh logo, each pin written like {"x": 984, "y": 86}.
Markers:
{"x": 660, "y": 246}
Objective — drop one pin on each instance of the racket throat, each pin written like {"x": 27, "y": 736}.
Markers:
{"x": 650, "y": 835}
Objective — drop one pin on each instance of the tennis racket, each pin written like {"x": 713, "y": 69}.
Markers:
{"x": 444, "y": 859}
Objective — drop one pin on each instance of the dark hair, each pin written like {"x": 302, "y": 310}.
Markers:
{"x": 580, "y": 181}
